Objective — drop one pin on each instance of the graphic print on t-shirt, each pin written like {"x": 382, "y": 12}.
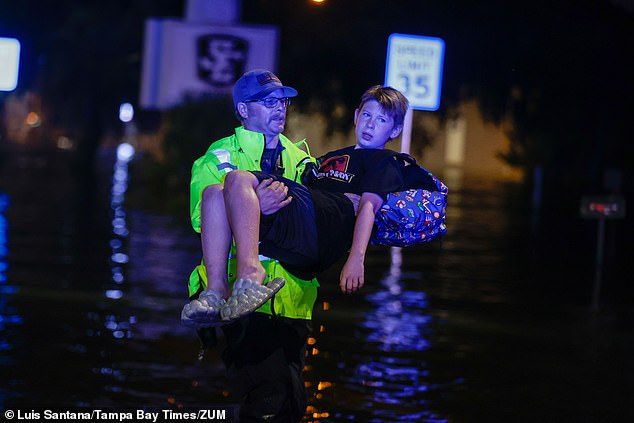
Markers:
{"x": 336, "y": 168}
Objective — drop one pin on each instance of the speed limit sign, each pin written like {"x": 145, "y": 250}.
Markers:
{"x": 414, "y": 67}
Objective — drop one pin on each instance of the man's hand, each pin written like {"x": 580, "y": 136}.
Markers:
{"x": 273, "y": 195}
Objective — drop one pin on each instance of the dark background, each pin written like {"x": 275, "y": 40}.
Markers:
{"x": 559, "y": 72}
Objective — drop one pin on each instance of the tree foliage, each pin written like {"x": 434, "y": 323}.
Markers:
{"x": 187, "y": 132}
{"x": 191, "y": 127}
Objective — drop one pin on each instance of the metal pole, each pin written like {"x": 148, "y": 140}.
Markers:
{"x": 406, "y": 138}
{"x": 599, "y": 264}
{"x": 538, "y": 182}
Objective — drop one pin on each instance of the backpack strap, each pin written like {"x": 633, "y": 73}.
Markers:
{"x": 416, "y": 176}
{"x": 405, "y": 158}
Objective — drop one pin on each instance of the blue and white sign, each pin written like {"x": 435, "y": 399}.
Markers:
{"x": 9, "y": 63}
{"x": 414, "y": 67}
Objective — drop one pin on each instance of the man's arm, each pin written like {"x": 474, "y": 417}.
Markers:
{"x": 352, "y": 274}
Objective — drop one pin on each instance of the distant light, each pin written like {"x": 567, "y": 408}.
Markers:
{"x": 112, "y": 325}
{"x": 318, "y": 1}
{"x": 33, "y": 120}
{"x": 64, "y": 143}
{"x": 121, "y": 232}
{"x": 119, "y": 258}
{"x": 125, "y": 152}
{"x": 9, "y": 63}
{"x": 126, "y": 112}
{"x": 114, "y": 294}
{"x": 118, "y": 222}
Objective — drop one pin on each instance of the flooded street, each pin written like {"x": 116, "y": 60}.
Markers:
{"x": 492, "y": 325}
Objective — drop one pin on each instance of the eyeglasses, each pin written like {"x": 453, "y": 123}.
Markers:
{"x": 271, "y": 102}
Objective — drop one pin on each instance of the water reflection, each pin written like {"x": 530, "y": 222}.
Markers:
{"x": 115, "y": 321}
{"x": 7, "y": 313}
{"x": 381, "y": 373}
{"x": 149, "y": 259}
{"x": 119, "y": 257}
{"x": 90, "y": 297}
{"x": 9, "y": 319}
{"x": 397, "y": 323}
{"x": 397, "y": 327}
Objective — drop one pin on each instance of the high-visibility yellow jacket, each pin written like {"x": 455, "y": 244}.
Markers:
{"x": 243, "y": 151}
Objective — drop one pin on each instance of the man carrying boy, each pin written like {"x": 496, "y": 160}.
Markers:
{"x": 320, "y": 224}
{"x": 265, "y": 354}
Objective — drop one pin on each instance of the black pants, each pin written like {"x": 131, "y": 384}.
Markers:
{"x": 265, "y": 357}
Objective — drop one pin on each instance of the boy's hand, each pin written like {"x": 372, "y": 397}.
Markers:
{"x": 273, "y": 195}
{"x": 351, "y": 278}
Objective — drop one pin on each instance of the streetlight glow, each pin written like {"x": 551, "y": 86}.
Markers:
{"x": 126, "y": 112}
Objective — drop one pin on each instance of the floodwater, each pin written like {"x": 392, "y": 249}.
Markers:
{"x": 492, "y": 325}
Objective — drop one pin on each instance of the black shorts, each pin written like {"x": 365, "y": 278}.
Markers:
{"x": 290, "y": 234}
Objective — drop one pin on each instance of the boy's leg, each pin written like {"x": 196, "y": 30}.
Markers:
{"x": 215, "y": 238}
{"x": 243, "y": 211}
{"x": 205, "y": 310}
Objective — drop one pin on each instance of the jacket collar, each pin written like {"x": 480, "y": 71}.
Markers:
{"x": 252, "y": 143}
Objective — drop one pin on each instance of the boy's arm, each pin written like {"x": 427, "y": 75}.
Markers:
{"x": 351, "y": 278}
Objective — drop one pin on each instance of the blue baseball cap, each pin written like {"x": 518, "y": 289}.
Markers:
{"x": 257, "y": 84}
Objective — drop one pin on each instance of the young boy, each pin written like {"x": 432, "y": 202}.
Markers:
{"x": 321, "y": 221}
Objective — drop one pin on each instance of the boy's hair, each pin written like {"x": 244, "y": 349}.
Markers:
{"x": 391, "y": 100}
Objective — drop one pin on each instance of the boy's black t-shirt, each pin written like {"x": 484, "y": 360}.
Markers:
{"x": 348, "y": 170}
{"x": 359, "y": 170}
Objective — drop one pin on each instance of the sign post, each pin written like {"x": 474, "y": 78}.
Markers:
{"x": 414, "y": 67}
{"x": 601, "y": 208}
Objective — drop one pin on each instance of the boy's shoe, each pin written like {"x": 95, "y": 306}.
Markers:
{"x": 204, "y": 311}
{"x": 248, "y": 296}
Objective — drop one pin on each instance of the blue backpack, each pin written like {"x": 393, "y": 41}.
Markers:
{"x": 413, "y": 216}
